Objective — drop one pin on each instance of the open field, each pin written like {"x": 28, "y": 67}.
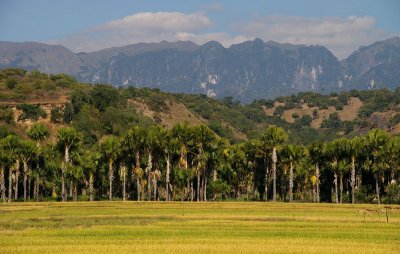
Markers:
{"x": 145, "y": 227}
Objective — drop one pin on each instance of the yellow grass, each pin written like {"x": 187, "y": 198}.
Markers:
{"x": 146, "y": 227}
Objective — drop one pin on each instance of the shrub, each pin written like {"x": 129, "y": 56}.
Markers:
{"x": 6, "y": 114}
{"x": 11, "y": 83}
{"x": 30, "y": 111}
{"x": 279, "y": 111}
{"x": 56, "y": 115}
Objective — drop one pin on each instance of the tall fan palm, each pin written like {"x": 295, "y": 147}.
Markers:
{"x": 202, "y": 137}
{"x": 5, "y": 160}
{"x": 375, "y": 142}
{"x": 334, "y": 151}
{"x": 133, "y": 143}
{"x": 169, "y": 145}
{"x": 151, "y": 143}
{"x": 316, "y": 154}
{"x": 274, "y": 136}
{"x": 67, "y": 139}
{"x": 111, "y": 150}
{"x": 38, "y": 132}
{"x": 355, "y": 149}
{"x": 89, "y": 162}
{"x": 11, "y": 146}
{"x": 28, "y": 149}
{"x": 182, "y": 134}
{"x": 293, "y": 155}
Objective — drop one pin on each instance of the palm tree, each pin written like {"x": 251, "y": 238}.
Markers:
{"x": 274, "y": 136}
{"x": 333, "y": 151}
{"x": 169, "y": 145}
{"x": 123, "y": 172}
{"x": 133, "y": 144}
{"x": 11, "y": 147}
{"x": 89, "y": 161}
{"x": 293, "y": 155}
{"x": 316, "y": 154}
{"x": 151, "y": 143}
{"x": 182, "y": 134}
{"x": 67, "y": 139}
{"x": 202, "y": 137}
{"x": 27, "y": 152}
{"x": 375, "y": 142}
{"x": 355, "y": 149}
{"x": 111, "y": 150}
{"x": 4, "y": 161}
{"x": 38, "y": 132}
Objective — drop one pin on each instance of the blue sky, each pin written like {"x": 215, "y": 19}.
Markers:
{"x": 89, "y": 25}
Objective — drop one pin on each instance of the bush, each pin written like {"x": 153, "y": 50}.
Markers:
{"x": 305, "y": 120}
{"x": 393, "y": 194}
{"x": 56, "y": 115}
{"x": 6, "y": 114}
{"x": 30, "y": 111}
{"x": 279, "y": 111}
{"x": 11, "y": 83}
{"x": 333, "y": 122}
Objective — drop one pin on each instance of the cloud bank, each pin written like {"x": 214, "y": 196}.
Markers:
{"x": 341, "y": 35}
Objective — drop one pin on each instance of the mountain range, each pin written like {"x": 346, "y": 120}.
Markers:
{"x": 246, "y": 71}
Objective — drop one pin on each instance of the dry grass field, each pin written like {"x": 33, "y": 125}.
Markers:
{"x": 146, "y": 227}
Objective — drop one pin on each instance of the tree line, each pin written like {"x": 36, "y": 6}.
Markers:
{"x": 192, "y": 163}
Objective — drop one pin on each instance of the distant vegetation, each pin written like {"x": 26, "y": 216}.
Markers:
{"x": 72, "y": 140}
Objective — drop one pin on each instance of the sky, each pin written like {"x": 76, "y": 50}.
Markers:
{"x": 89, "y": 25}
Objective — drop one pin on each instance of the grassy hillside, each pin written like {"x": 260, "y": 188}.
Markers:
{"x": 147, "y": 227}
{"x": 58, "y": 100}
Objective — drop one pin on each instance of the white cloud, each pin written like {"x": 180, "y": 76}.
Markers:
{"x": 139, "y": 27}
{"x": 341, "y": 35}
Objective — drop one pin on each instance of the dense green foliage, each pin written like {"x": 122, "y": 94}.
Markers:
{"x": 133, "y": 157}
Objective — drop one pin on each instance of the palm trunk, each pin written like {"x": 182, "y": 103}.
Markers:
{"x": 124, "y": 188}
{"x": 155, "y": 185}
{"x": 149, "y": 169}
{"x": 37, "y": 187}
{"x": 336, "y": 188}
{"x": 10, "y": 182}
{"x": 198, "y": 185}
{"x": 353, "y": 178}
{"x": 341, "y": 187}
{"x": 291, "y": 182}
{"x": 317, "y": 175}
{"x": 137, "y": 166}
{"x": 167, "y": 178}
{"x": 110, "y": 177}
{"x": 63, "y": 169}
{"x": 191, "y": 191}
{"x": 17, "y": 172}
{"x": 266, "y": 179}
{"x": 377, "y": 187}
{"x": 70, "y": 189}
{"x": 75, "y": 192}
{"x": 274, "y": 160}
{"x": 138, "y": 188}
{"x": 29, "y": 187}
{"x": 63, "y": 192}
{"x": 91, "y": 189}
{"x": 3, "y": 185}
{"x": 25, "y": 163}
{"x": 205, "y": 187}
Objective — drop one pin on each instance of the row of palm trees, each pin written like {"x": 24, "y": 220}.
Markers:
{"x": 191, "y": 163}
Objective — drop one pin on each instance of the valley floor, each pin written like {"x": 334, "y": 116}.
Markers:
{"x": 147, "y": 227}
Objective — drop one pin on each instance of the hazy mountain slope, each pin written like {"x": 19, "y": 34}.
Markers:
{"x": 246, "y": 71}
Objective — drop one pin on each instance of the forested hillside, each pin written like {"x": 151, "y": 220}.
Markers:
{"x": 61, "y": 139}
